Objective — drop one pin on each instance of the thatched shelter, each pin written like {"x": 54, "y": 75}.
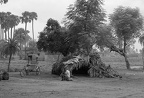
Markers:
{"x": 91, "y": 66}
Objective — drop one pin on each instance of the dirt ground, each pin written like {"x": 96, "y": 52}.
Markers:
{"x": 50, "y": 86}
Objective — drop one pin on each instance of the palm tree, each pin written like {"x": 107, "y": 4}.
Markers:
{"x": 25, "y": 19}
{"x": 8, "y": 21}
{"x": 33, "y": 16}
{"x": 10, "y": 47}
{"x": 19, "y": 34}
{"x": 4, "y": 22}
{"x": 141, "y": 40}
{"x": 2, "y": 16}
{"x": 14, "y": 21}
{"x": 11, "y": 23}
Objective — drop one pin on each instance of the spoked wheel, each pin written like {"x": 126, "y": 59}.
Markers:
{"x": 23, "y": 73}
{"x": 38, "y": 71}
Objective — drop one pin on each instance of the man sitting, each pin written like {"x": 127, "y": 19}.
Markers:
{"x": 65, "y": 75}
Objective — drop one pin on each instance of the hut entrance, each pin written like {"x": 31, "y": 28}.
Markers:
{"x": 83, "y": 71}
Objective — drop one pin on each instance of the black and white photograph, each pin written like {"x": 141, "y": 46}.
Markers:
{"x": 71, "y": 48}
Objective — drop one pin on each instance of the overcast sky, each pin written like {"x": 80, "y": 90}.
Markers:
{"x": 56, "y": 9}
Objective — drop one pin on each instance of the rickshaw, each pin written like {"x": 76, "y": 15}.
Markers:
{"x": 32, "y": 65}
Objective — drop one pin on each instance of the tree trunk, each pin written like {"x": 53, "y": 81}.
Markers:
{"x": 14, "y": 29}
{"x": 121, "y": 52}
{"x": 33, "y": 29}
{"x": 25, "y": 51}
{"x": 8, "y": 33}
{"x": 5, "y": 35}
{"x": 11, "y": 33}
{"x": 143, "y": 57}
{"x": 120, "y": 43}
{"x": 20, "y": 48}
{"x": 127, "y": 62}
{"x": 125, "y": 56}
{"x": 9, "y": 62}
{"x": 25, "y": 26}
{"x": 58, "y": 57}
{"x": 25, "y": 35}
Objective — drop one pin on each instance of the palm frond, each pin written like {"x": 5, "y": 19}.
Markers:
{"x": 10, "y": 47}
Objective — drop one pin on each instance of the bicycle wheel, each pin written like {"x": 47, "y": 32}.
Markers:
{"x": 38, "y": 71}
{"x": 23, "y": 73}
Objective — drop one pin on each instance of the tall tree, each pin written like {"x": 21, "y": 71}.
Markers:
{"x": 49, "y": 39}
{"x": 2, "y": 20}
{"x": 127, "y": 23}
{"x": 84, "y": 18}
{"x": 21, "y": 36}
{"x": 33, "y": 16}
{"x": 6, "y": 23}
{"x": 13, "y": 21}
{"x": 25, "y": 19}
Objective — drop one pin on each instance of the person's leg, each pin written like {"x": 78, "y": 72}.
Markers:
{"x": 70, "y": 79}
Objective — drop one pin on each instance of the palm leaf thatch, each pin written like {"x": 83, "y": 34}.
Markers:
{"x": 95, "y": 67}
{"x": 69, "y": 62}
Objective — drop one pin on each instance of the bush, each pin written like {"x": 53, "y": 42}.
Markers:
{"x": 0, "y": 76}
{"x": 133, "y": 55}
{"x": 5, "y": 76}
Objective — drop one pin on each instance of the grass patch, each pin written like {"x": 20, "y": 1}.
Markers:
{"x": 117, "y": 62}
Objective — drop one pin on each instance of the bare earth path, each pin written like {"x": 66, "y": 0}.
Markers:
{"x": 50, "y": 86}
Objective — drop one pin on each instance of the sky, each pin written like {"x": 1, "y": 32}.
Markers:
{"x": 56, "y": 9}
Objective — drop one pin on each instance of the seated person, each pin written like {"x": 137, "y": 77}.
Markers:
{"x": 65, "y": 75}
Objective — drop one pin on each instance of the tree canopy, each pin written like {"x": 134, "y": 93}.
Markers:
{"x": 10, "y": 47}
{"x": 127, "y": 23}
{"x": 83, "y": 20}
{"x": 3, "y": 1}
{"x": 81, "y": 26}
{"x": 52, "y": 38}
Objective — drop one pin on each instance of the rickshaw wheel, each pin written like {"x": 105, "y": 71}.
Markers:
{"x": 23, "y": 73}
{"x": 38, "y": 71}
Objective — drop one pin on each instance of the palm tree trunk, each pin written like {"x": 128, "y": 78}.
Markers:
{"x": 33, "y": 29}
{"x": 20, "y": 48}
{"x": 2, "y": 33}
{"x": 14, "y": 29}
{"x": 5, "y": 34}
{"x": 8, "y": 33}
{"x": 143, "y": 57}
{"x": 11, "y": 32}
{"x": 9, "y": 62}
{"x": 25, "y": 35}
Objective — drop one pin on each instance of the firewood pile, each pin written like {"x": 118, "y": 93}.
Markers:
{"x": 96, "y": 67}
